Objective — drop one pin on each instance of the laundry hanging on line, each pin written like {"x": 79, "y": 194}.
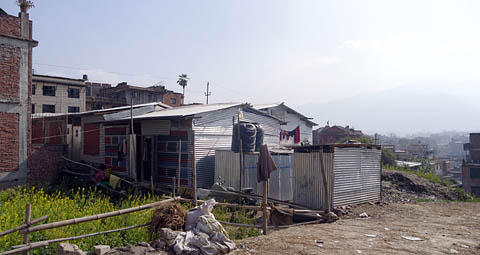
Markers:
{"x": 285, "y": 135}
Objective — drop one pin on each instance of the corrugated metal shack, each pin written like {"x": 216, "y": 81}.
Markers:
{"x": 202, "y": 129}
{"x": 352, "y": 174}
{"x": 281, "y": 183}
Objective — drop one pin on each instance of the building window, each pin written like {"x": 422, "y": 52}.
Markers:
{"x": 33, "y": 108}
{"x": 173, "y": 100}
{"x": 73, "y": 93}
{"x": 150, "y": 98}
{"x": 475, "y": 173}
{"x": 89, "y": 91}
{"x": 48, "y": 90}
{"x": 34, "y": 89}
{"x": 48, "y": 108}
{"x": 73, "y": 109}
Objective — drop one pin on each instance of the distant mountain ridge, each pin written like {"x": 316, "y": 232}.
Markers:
{"x": 400, "y": 112}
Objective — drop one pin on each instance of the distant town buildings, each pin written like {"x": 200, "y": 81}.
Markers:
{"x": 335, "y": 134}
{"x": 15, "y": 89}
{"x": 471, "y": 165}
{"x": 52, "y": 94}
{"x": 104, "y": 96}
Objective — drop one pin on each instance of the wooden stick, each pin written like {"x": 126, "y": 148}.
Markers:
{"x": 264, "y": 205}
{"x": 94, "y": 217}
{"x": 179, "y": 164}
{"x": 194, "y": 171}
{"x": 151, "y": 183}
{"x": 174, "y": 186}
{"x": 28, "y": 214}
{"x": 24, "y": 225}
{"x": 96, "y": 169}
{"x": 239, "y": 225}
{"x": 250, "y": 207}
{"x": 20, "y": 248}
{"x": 257, "y": 197}
{"x": 301, "y": 224}
{"x": 324, "y": 180}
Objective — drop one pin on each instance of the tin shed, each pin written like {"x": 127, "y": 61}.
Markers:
{"x": 352, "y": 172}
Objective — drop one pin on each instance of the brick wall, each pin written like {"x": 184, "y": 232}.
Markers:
{"x": 45, "y": 164}
{"x": 9, "y": 68}
{"x": 10, "y": 25}
{"x": 167, "y": 97}
{"x": 8, "y": 141}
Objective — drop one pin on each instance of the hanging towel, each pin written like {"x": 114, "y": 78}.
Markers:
{"x": 265, "y": 164}
{"x": 114, "y": 181}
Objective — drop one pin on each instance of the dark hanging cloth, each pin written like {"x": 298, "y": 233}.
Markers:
{"x": 297, "y": 134}
{"x": 265, "y": 164}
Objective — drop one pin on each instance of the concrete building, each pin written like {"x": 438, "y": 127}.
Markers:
{"x": 52, "y": 94}
{"x": 471, "y": 165}
{"x": 335, "y": 134}
{"x": 15, "y": 89}
{"x": 293, "y": 121}
{"x": 104, "y": 96}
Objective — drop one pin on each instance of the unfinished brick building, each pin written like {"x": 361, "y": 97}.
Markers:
{"x": 15, "y": 91}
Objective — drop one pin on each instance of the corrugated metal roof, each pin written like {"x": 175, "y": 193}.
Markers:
{"x": 407, "y": 163}
{"x": 282, "y": 104}
{"x": 114, "y": 109}
{"x": 187, "y": 110}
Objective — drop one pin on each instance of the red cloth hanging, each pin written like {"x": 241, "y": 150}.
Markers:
{"x": 297, "y": 134}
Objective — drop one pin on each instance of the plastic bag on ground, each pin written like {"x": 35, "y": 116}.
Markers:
{"x": 208, "y": 224}
{"x": 203, "y": 209}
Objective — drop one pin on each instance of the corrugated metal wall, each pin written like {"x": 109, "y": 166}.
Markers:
{"x": 308, "y": 188}
{"x": 227, "y": 166}
{"x": 356, "y": 176}
{"x": 213, "y": 131}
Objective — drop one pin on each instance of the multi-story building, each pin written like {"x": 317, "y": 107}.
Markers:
{"x": 15, "y": 88}
{"x": 335, "y": 134}
{"x": 51, "y": 94}
{"x": 471, "y": 165}
{"x": 103, "y": 95}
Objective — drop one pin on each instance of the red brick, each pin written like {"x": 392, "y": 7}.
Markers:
{"x": 9, "y": 71}
{"x": 91, "y": 139}
{"x": 10, "y": 25}
{"x": 8, "y": 142}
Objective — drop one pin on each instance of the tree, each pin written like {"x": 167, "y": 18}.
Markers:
{"x": 388, "y": 157}
{"x": 182, "y": 81}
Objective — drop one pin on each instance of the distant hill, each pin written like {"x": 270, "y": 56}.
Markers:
{"x": 399, "y": 112}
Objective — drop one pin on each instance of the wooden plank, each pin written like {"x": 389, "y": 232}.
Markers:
{"x": 94, "y": 217}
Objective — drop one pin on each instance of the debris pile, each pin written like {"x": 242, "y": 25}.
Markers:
{"x": 400, "y": 186}
{"x": 169, "y": 216}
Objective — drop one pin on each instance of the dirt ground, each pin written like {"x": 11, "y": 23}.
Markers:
{"x": 443, "y": 227}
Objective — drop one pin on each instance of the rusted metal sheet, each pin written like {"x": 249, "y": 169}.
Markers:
{"x": 356, "y": 176}
{"x": 308, "y": 188}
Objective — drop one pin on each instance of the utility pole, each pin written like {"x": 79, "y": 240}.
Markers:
{"x": 208, "y": 93}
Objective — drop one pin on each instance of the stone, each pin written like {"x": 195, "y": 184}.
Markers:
{"x": 101, "y": 249}
{"x": 363, "y": 215}
{"x": 69, "y": 249}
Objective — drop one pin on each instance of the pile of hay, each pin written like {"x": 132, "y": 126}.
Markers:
{"x": 169, "y": 215}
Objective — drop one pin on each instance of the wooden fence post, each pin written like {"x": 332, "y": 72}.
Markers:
{"x": 264, "y": 206}
{"x": 179, "y": 164}
{"x": 194, "y": 171}
{"x": 28, "y": 214}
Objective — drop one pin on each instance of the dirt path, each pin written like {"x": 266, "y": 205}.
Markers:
{"x": 444, "y": 227}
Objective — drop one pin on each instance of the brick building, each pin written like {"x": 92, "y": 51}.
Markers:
{"x": 104, "y": 96}
{"x": 335, "y": 134}
{"x": 471, "y": 165}
{"x": 15, "y": 93}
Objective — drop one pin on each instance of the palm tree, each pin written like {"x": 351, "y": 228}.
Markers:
{"x": 182, "y": 81}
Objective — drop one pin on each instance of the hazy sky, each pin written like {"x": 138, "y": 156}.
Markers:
{"x": 299, "y": 52}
